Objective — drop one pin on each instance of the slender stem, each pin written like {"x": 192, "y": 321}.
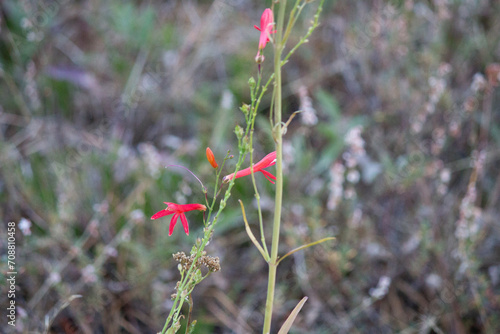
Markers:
{"x": 253, "y": 113}
{"x": 271, "y": 108}
{"x": 187, "y": 279}
{"x": 278, "y": 48}
{"x": 292, "y": 19}
{"x": 304, "y": 39}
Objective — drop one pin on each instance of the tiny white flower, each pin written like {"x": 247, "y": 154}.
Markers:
{"x": 25, "y": 226}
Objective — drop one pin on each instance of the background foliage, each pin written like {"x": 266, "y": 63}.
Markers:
{"x": 396, "y": 155}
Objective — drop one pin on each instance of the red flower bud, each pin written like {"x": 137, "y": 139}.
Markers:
{"x": 211, "y": 158}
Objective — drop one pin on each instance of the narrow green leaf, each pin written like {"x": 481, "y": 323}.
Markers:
{"x": 303, "y": 247}
{"x": 251, "y": 235}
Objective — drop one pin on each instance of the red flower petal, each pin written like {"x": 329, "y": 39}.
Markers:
{"x": 178, "y": 210}
{"x": 191, "y": 207}
{"x": 267, "y": 161}
{"x": 184, "y": 223}
{"x": 172, "y": 223}
{"x": 162, "y": 213}
{"x": 268, "y": 175}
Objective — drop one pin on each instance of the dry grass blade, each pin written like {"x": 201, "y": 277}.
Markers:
{"x": 49, "y": 318}
{"x": 291, "y": 318}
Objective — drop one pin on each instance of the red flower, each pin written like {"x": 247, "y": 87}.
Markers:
{"x": 267, "y": 161}
{"x": 178, "y": 211}
{"x": 211, "y": 158}
{"x": 266, "y": 29}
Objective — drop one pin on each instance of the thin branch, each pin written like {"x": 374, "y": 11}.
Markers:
{"x": 202, "y": 186}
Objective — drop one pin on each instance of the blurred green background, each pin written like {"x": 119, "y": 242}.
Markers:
{"x": 396, "y": 154}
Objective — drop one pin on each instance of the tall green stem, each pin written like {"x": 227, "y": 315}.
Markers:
{"x": 277, "y": 134}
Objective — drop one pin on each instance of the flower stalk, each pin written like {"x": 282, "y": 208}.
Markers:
{"x": 191, "y": 277}
{"x": 278, "y": 139}
{"x": 276, "y": 33}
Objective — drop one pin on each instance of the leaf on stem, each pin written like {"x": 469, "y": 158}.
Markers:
{"x": 304, "y": 247}
{"x": 284, "y": 126}
{"x": 291, "y": 318}
{"x": 251, "y": 235}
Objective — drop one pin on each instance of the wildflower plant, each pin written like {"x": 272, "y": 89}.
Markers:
{"x": 191, "y": 266}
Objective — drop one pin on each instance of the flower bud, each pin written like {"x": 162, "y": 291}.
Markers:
{"x": 245, "y": 108}
{"x": 251, "y": 82}
{"x": 238, "y": 130}
{"x": 259, "y": 58}
{"x": 211, "y": 158}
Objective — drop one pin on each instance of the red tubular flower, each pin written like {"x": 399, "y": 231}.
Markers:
{"x": 211, "y": 158}
{"x": 178, "y": 211}
{"x": 266, "y": 29}
{"x": 267, "y": 161}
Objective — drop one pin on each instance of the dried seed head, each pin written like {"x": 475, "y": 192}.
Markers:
{"x": 211, "y": 263}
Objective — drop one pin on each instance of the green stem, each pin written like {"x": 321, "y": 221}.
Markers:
{"x": 292, "y": 19}
{"x": 304, "y": 39}
{"x": 278, "y": 48}
{"x": 253, "y": 113}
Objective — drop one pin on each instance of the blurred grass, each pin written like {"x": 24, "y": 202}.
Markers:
{"x": 96, "y": 98}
